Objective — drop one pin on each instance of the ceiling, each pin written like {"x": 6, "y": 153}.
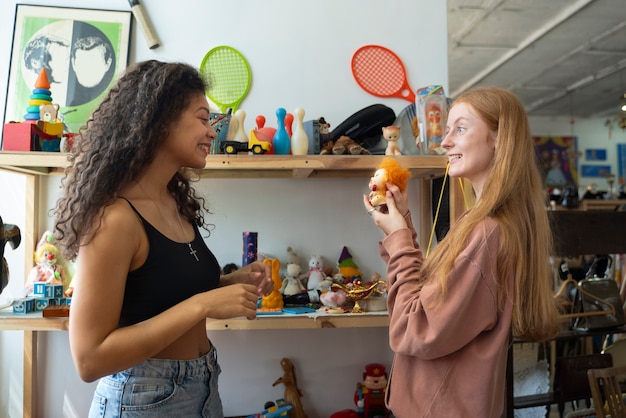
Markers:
{"x": 560, "y": 57}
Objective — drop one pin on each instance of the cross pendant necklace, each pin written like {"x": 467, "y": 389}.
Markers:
{"x": 192, "y": 251}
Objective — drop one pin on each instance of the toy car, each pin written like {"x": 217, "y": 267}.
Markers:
{"x": 280, "y": 409}
{"x": 255, "y": 145}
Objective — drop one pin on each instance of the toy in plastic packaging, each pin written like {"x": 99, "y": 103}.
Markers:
{"x": 432, "y": 112}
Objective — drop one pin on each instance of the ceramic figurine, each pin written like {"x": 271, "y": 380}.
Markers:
{"x": 11, "y": 234}
{"x": 392, "y": 135}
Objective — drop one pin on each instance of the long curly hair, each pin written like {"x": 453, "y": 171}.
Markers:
{"x": 119, "y": 140}
{"x": 513, "y": 195}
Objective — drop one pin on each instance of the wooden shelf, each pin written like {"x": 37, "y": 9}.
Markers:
{"x": 303, "y": 321}
{"x": 253, "y": 166}
{"x": 600, "y": 204}
{"x": 36, "y": 322}
{"x": 31, "y": 322}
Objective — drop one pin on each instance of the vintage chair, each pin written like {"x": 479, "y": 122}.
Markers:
{"x": 571, "y": 383}
{"x": 605, "y": 387}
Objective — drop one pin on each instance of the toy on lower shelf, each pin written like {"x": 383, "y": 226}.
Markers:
{"x": 274, "y": 410}
{"x": 369, "y": 396}
{"x": 292, "y": 392}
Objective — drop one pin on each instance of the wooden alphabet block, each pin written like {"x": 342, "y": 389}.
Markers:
{"x": 23, "y": 306}
{"x": 53, "y": 291}
{"x": 39, "y": 288}
{"x": 41, "y": 304}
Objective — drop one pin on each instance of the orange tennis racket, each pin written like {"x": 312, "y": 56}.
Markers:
{"x": 380, "y": 72}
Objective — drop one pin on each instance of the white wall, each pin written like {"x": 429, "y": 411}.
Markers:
{"x": 299, "y": 54}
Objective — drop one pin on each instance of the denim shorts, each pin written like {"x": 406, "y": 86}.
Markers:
{"x": 161, "y": 388}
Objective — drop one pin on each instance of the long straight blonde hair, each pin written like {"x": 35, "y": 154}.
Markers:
{"x": 514, "y": 197}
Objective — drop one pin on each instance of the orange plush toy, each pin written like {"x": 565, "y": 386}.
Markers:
{"x": 389, "y": 171}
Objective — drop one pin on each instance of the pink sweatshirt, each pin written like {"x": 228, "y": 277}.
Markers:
{"x": 449, "y": 361}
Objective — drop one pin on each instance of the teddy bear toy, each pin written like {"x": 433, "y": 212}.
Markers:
{"x": 389, "y": 171}
{"x": 344, "y": 145}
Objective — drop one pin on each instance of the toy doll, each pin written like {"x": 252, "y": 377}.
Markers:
{"x": 50, "y": 267}
{"x": 389, "y": 171}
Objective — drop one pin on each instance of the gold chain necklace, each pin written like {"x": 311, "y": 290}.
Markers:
{"x": 192, "y": 251}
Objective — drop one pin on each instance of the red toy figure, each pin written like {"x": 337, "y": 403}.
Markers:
{"x": 370, "y": 395}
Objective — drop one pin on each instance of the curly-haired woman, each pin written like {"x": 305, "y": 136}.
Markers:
{"x": 145, "y": 281}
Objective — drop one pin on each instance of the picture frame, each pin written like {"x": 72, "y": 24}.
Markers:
{"x": 558, "y": 159}
{"x": 83, "y": 51}
{"x": 595, "y": 154}
{"x": 589, "y": 170}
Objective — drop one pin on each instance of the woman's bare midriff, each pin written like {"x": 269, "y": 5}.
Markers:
{"x": 191, "y": 345}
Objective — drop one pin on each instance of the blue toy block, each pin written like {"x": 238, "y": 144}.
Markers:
{"x": 19, "y": 306}
{"x": 41, "y": 304}
{"x": 60, "y": 301}
{"x": 23, "y": 306}
{"x": 40, "y": 288}
{"x": 54, "y": 291}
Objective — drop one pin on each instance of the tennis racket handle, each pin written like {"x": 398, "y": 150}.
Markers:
{"x": 144, "y": 24}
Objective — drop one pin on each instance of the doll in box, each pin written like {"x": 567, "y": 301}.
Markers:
{"x": 389, "y": 171}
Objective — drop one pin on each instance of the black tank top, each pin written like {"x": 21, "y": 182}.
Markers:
{"x": 169, "y": 275}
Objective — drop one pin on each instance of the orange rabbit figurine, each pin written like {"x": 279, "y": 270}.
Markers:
{"x": 273, "y": 301}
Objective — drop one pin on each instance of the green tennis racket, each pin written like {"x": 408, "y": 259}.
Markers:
{"x": 229, "y": 73}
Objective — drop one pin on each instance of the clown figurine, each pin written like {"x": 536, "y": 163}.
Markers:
{"x": 370, "y": 395}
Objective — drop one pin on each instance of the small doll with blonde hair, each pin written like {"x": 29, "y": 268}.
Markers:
{"x": 389, "y": 171}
